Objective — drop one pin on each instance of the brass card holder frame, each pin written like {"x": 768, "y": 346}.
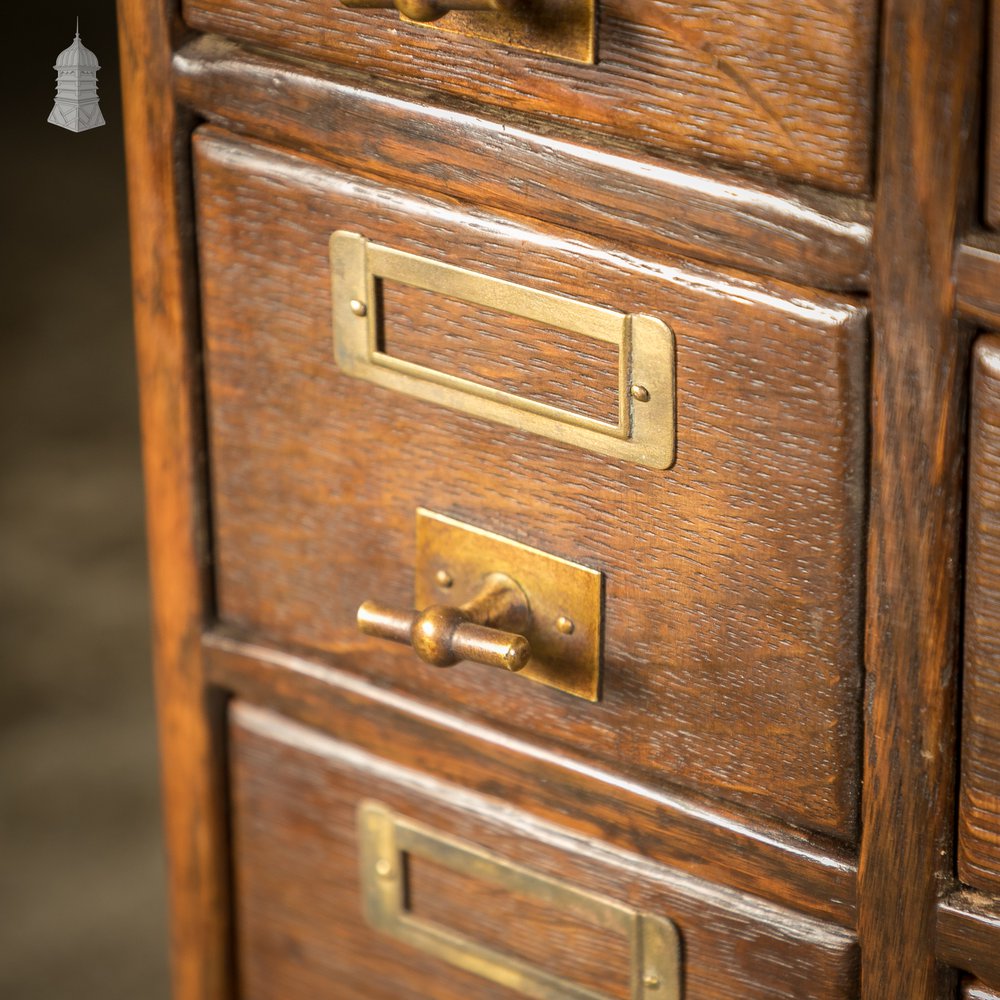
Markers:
{"x": 645, "y": 432}
{"x": 565, "y": 29}
{"x": 386, "y": 839}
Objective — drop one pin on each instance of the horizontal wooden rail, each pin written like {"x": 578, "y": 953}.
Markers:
{"x": 793, "y": 232}
{"x": 811, "y": 874}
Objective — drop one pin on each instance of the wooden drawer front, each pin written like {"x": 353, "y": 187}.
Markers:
{"x": 979, "y": 811}
{"x": 783, "y": 86}
{"x": 731, "y": 659}
{"x": 302, "y": 933}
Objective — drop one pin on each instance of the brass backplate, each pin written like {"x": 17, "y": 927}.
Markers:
{"x": 386, "y": 843}
{"x": 565, "y": 598}
{"x": 566, "y": 29}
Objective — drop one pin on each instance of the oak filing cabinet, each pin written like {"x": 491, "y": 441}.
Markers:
{"x": 572, "y": 438}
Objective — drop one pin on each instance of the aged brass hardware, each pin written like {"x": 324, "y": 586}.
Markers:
{"x": 512, "y": 607}
{"x": 387, "y": 839}
{"x": 481, "y": 630}
{"x": 645, "y": 432}
{"x": 428, "y": 10}
{"x": 565, "y": 29}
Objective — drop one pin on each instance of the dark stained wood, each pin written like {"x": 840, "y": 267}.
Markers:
{"x": 992, "y": 173}
{"x": 190, "y": 720}
{"x": 979, "y": 797}
{"x": 968, "y": 935}
{"x": 731, "y": 653}
{"x": 301, "y": 933}
{"x": 978, "y": 280}
{"x": 691, "y": 835}
{"x": 784, "y": 87}
{"x": 557, "y": 176}
{"x": 919, "y": 370}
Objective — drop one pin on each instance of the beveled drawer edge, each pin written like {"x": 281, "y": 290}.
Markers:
{"x": 968, "y": 934}
{"x": 808, "y": 873}
{"x": 788, "y": 231}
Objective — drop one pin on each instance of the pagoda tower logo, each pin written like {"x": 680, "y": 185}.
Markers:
{"x": 76, "y": 107}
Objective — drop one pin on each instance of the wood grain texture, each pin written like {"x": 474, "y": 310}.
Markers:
{"x": 782, "y": 87}
{"x": 968, "y": 935}
{"x": 979, "y": 793}
{"x": 992, "y": 172}
{"x": 690, "y": 834}
{"x": 505, "y": 352}
{"x": 295, "y": 796}
{"x": 732, "y": 581}
{"x": 556, "y": 175}
{"x": 919, "y": 370}
{"x": 978, "y": 279}
{"x": 190, "y": 721}
{"x": 521, "y": 926}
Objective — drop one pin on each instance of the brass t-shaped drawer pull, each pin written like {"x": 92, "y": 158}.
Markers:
{"x": 484, "y": 630}
{"x": 431, "y": 10}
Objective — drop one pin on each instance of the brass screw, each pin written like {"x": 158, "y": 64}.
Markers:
{"x": 383, "y": 868}
{"x": 565, "y": 625}
{"x": 358, "y": 307}
{"x": 640, "y": 392}
{"x": 443, "y": 579}
{"x": 651, "y": 981}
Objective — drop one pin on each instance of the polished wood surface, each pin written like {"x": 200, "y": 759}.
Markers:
{"x": 979, "y": 800}
{"x": 812, "y": 874}
{"x": 295, "y": 797}
{"x": 978, "y": 279}
{"x": 991, "y": 193}
{"x": 785, "y": 87}
{"x": 968, "y": 935}
{"x": 708, "y": 611}
{"x": 931, "y": 65}
{"x": 977, "y": 991}
{"x": 190, "y": 717}
{"x": 759, "y": 768}
{"x": 618, "y": 191}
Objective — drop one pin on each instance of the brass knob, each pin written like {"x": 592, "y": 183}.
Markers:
{"x": 484, "y": 630}
{"x": 431, "y": 10}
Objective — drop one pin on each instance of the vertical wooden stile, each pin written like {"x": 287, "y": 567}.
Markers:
{"x": 190, "y": 720}
{"x": 929, "y": 98}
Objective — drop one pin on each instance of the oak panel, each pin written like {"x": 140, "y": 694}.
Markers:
{"x": 979, "y": 795}
{"x": 992, "y": 185}
{"x": 301, "y": 933}
{"x": 731, "y": 655}
{"x": 784, "y": 87}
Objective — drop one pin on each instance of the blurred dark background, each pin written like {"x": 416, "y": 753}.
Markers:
{"x": 82, "y": 911}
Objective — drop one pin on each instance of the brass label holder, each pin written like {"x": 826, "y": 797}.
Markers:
{"x": 385, "y": 841}
{"x": 565, "y": 29}
{"x": 645, "y": 432}
{"x": 564, "y": 597}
